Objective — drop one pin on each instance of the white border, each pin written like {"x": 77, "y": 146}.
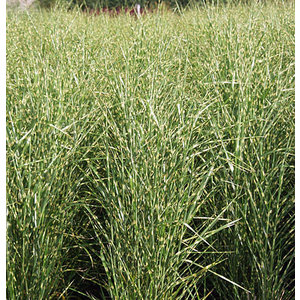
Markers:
{"x": 297, "y": 124}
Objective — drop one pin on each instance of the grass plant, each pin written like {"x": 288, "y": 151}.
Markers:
{"x": 151, "y": 158}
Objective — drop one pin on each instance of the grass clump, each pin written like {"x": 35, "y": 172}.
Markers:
{"x": 151, "y": 158}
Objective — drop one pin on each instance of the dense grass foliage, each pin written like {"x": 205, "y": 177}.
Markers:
{"x": 151, "y": 158}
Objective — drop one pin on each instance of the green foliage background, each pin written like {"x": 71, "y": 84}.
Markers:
{"x": 144, "y": 3}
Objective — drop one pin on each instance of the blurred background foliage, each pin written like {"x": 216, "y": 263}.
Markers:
{"x": 144, "y": 3}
